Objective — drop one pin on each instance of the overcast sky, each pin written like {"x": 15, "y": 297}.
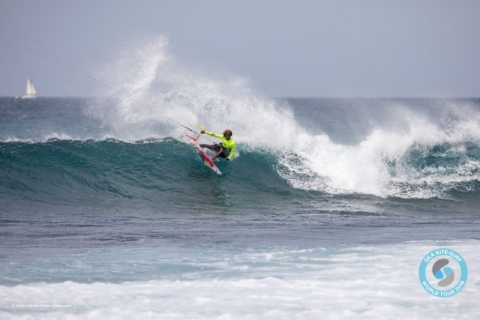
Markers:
{"x": 286, "y": 48}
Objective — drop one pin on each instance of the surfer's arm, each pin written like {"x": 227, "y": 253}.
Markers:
{"x": 232, "y": 152}
{"x": 216, "y": 135}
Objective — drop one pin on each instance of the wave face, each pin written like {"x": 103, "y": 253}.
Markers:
{"x": 156, "y": 170}
{"x": 148, "y": 173}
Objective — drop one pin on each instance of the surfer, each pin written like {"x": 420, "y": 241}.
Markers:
{"x": 226, "y": 149}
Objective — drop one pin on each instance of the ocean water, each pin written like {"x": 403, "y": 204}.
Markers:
{"x": 328, "y": 217}
{"x": 326, "y": 211}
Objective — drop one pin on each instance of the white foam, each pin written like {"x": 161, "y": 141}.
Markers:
{"x": 366, "y": 282}
{"x": 366, "y": 167}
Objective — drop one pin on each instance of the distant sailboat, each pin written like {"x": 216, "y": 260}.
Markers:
{"x": 31, "y": 92}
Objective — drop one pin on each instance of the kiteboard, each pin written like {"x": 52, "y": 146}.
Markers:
{"x": 203, "y": 155}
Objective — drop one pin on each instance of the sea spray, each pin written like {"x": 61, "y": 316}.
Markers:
{"x": 156, "y": 87}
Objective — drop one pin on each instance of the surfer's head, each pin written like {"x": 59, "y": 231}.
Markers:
{"x": 227, "y": 134}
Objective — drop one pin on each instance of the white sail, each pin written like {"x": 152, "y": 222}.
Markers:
{"x": 31, "y": 92}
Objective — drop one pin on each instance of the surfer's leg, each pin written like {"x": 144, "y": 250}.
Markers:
{"x": 219, "y": 154}
{"x": 208, "y": 146}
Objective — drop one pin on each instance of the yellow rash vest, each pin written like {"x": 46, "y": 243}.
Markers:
{"x": 230, "y": 145}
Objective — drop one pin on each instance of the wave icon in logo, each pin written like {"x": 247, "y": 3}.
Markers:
{"x": 442, "y": 272}
{"x": 448, "y": 267}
